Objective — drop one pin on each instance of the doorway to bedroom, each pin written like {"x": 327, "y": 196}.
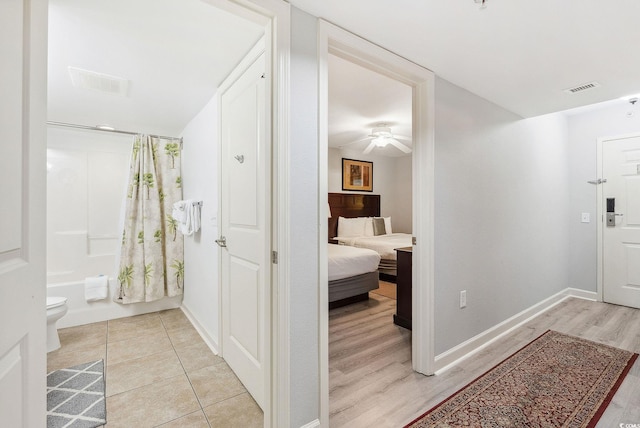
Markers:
{"x": 379, "y": 183}
{"x": 369, "y": 181}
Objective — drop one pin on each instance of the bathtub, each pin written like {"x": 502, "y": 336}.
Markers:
{"x": 83, "y": 312}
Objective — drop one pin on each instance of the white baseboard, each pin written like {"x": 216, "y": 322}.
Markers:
{"x": 211, "y": 343}
{"x": 582, "y": 294}
{"x": 312, "y": 424}
{"x": 464, "y": 350}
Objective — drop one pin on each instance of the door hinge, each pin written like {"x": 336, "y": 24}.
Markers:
{"x": 413, "y": 240}
{"x": 274, "y": 257}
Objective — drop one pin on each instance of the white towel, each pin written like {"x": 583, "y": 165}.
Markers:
{"x": 179, "y": 211}
{"x": 96, "y": 288}
{"x": 187, "y": 213}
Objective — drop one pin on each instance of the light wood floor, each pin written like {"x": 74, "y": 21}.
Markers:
{"x": 371, "y": 382}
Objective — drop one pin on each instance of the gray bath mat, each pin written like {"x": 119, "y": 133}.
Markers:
{"x": 75, "y": 396}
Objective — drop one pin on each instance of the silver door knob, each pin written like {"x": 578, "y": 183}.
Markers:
{"x": 222, "y": 241}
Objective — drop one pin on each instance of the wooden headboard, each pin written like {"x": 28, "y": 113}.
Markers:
{"x": 351, "y": 205}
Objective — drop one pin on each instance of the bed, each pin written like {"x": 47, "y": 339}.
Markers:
{"x": 384, "y": 245}
{"x": 353, "y": 272}
{"x": 352, "y": 210}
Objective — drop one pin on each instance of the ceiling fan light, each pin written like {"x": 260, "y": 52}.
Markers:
{"x": 381, "y": 141}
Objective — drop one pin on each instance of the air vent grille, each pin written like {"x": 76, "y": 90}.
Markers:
{"x": 583, "y": 87}
{"x": 95, "y": 81}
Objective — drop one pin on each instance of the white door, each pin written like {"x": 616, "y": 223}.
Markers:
{"x": 621, "y": 234}
{"x": 23, "y": 66}
{"x": 244, "y": 222}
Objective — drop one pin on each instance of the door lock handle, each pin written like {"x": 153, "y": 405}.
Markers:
{"x": 611, "y": 219}
{"x": 222, "y": 241}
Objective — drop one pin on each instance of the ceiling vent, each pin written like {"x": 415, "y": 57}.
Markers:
{"x": 582, "y": 88}
{"x": 92, "y": 80}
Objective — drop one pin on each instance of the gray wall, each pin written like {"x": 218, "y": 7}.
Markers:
{"x": 304, "y": 222}
{"x": 502, "y": 210}
{"x": 584, "y": 130}
{"x": 391, "y": 180}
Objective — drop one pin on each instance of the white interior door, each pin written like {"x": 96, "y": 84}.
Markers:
{"x": 23, "y": 66}
{"x": 621, "y": 232}
{"x": 244, "y": 222}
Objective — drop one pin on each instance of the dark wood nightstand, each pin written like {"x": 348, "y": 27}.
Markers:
{"x": 333, "y": 241}
{"x": 403, "y": 287}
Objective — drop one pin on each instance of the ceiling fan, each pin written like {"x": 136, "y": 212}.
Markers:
{"x": 381, "y": 136}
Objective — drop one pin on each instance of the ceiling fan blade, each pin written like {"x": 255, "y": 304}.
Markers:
{"x": 369, "y": 148}
{"x": 397, "y": 144}
{"x": 401, "y": 137}
{"x": 356, "y": 141}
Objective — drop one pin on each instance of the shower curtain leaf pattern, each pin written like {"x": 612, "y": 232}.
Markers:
{"x": 136, "y": 149}
{"x": 146, "y": 252}
{"x": 178, "y": 266}
{"x": 148, "y": 270}
{"x": 173, "y": 150}
{"x": 172, "y": 225}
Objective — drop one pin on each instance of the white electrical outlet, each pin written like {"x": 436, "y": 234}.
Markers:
{"x": 586, "y": 217}
{"x": 463, "y": 299}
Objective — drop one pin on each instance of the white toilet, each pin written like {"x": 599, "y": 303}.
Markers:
{"x": 56, "y": 308}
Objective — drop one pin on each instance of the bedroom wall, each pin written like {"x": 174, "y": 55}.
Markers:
{"x": 585, "y": 128}
{"x": 391, "y": 180}
{"x": 200, "y": 182}
{"x": 502, "y": 212}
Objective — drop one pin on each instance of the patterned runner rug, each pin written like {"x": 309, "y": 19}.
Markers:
{"x": 554, "y": 381}
{"x": 75, "y": 396}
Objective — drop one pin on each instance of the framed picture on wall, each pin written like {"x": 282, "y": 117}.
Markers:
{"x": 357, "y": 175}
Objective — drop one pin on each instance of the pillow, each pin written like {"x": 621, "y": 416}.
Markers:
{"x": 351, "y": 227}
{"x": 387, "y": 225}
{"x": 378, "y": 226}
{"x": 368, "y": 227}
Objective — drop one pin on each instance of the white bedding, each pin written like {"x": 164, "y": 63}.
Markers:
{"x": 384, "y": 245}
{"x": 345, "y": 261}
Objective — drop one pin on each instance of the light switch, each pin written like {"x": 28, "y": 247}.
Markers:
{"x": 586, "y": 217}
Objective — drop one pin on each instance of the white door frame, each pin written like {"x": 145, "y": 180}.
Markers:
{"x": 274, "y": 15}
{"x": 335, "y": 40}
{"x": 601, "y": 211}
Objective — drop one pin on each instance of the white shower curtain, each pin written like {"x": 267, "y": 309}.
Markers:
{"x": 151, "y": 261}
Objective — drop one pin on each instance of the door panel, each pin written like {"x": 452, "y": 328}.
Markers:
{"x": 244, "y": 220}
{"x": 621, "y": 242}
{"x": 23, "y": 49}
{"x": 245, "y": 277}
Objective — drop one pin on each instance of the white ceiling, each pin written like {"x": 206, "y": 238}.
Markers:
{"x": 359, "y": 99}
{"x": 174, "y": 53}
{"x": 518, "y": 54}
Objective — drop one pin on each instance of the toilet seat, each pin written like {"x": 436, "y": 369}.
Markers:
{"x": 54, "y": 302}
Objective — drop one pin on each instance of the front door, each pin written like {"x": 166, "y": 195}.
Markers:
{"x": 23, "y": 67}
{"x": 621, "y": 228}
{"x": 244, "y": 223}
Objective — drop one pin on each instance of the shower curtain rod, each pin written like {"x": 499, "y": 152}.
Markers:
{"x": 96, "y": 128}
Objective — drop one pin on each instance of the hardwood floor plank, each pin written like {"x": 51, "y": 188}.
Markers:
{"x": 371, "y": 382}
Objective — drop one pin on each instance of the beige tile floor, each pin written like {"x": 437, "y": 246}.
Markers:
{"x": 159, "y": 373}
